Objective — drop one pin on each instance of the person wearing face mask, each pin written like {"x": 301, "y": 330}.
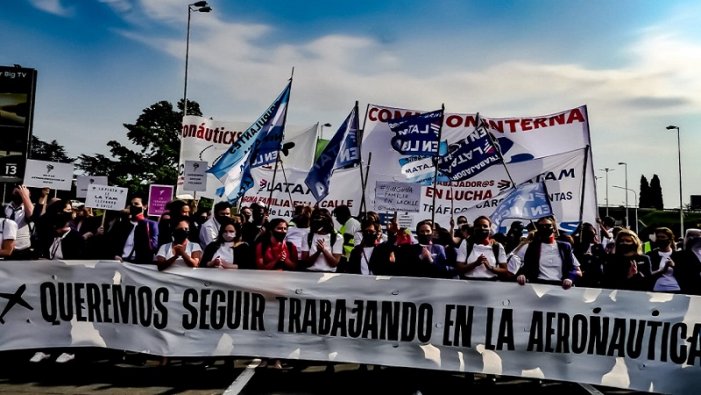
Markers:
{"x": 180, "y": 252}
{"x": 371, "y": 256}
{"x": 480, "y": 257}
{"x": 210, "y": 228}
{"x": 323, "y": 247}
{"x": 547, "y": 260}
{"x": 590, "y": 254}
{"x": 273, "y": 252}
{"x": 228, "y": 251}
{"x": 687, "y": 263}
{"x": 424, "y": 258}
{"x": 627, "y": 268}
{"x": 67, "y": 242}
{"x": 20, "y": 209}
{"x": 134, "y": 238}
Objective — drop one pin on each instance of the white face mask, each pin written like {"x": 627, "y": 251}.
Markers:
{"x": 228, "y": 236}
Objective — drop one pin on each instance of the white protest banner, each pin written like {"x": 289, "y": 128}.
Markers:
{"x": 204, "y": 139}
{"x": 195, "y": 175}
{"x": 106, "y": 197}
{"x": 634, "y": 340}
{"x": 522, "y": 139}
{"x": 82, "y": 183}
{"x": 397, "y": 196}
{"x": 289, "y": 190}
{"x": 54, "y": 175}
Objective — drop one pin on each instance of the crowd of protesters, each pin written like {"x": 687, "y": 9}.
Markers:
{"x": 598, "y": 255}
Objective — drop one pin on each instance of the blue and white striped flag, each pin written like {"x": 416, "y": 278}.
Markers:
{"x": 526, "y": 201}
{"x": 258, "y": 145}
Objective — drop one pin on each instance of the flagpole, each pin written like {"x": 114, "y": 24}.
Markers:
{"x": 584, "y": 184}
{"x": 435, "y": 172}
{"x": 364, "y": 185}
{"x": 282, "y": 167}
{"x": 277, "y": 154}
{"x": 497, "y": 147}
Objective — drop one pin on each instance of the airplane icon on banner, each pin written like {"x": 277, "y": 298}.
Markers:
{"x": 12, "y": 300}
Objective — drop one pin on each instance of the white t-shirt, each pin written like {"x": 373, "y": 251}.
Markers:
{"x": 320, "y": 265}
{"x": 298, "y": 237}
{"x": 477, "y": 250}
{"x": 225, "y": 252}
{"x": 667, "y": 281}
{"x": 22, "y": 234}
{"x": 166, "y": 251}
{"x": 551, "y": 262}
{"x": 8, "y": 230}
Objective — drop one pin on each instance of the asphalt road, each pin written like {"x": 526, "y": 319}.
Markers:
{"x": 106, "y": 372}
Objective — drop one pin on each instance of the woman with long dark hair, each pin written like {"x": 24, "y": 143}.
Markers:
{"x": 273, "y": 252}
{"x": 228, "y": 251}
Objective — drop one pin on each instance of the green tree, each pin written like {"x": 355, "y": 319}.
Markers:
{"x": 656, "y": 193}
{"x": 644, "y": 193}
{"x": 51, "y": 152}
{"x": 154, "y": 160}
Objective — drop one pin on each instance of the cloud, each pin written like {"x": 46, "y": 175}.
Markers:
{"x": 51, "y": 6}
{"x": 119, "y": 6}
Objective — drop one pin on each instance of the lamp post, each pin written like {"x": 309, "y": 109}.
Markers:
{"x": 626, "y": 188}
{"x": 607, "y": 170}
{"x": 635, "y": 195}
{"x": 199, "y": 6}
{"x": 681, "y": 205}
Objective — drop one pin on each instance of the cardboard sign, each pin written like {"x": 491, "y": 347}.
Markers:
{"x": 397, "y": 196}
{"x": 82, "y": 182}
{"x": 54, "y": 175}
{"x": 195, "y": 175}
{"x": 106, "y": 197}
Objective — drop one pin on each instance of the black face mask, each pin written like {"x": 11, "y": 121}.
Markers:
{"x": 221, "y": 218}
{"x": 279, "y": 236}
{"x": 545, "y": 231}
{"x": 480, "y": 234}
{"x": 661, "y": 243}
{"x": 369, "y": 238}
{"x": 424, "y": 239}
{"x": 16, "y": 199}
{"x": 180, "y": 235}
{"x": 135, "y": 210}
{"x": 625, "y": 248}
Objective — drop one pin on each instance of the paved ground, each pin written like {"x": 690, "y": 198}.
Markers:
{"x": 112, "y": 373}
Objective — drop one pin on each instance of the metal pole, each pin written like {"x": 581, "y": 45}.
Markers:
{"x": 681, "y": 205}
{"x": 187, "y": 55}
{"x": 626, "y": 187}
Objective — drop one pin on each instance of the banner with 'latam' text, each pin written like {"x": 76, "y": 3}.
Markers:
{"x": 634, "y": 340}
{"x": 522, "y": 140}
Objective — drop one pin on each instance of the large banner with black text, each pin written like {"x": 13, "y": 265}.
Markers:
{"x": 625, "y": 339}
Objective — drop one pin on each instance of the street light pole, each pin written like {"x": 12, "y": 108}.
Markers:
{"x": 626, "y": 188}
{"x": 199, "y": 6}
{"x": 681, "y": 205}
{"x": 607, "y": 170}
{"x": 635, "y": 195}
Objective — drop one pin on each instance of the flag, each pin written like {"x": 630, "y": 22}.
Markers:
{"x": 526, "y": 201}
{"x": 257, "y": 146}
{"x": 341, "y": 152}
{"x": 298, "y": 148}
{"x": 470, "y": 156}
{"x": 417, "y": 135}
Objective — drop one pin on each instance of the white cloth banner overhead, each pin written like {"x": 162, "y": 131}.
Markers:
{"x": 522, "y": 139}
{"x": 625, "y": 339}
{"x": 204, "y": 139}
{"x": 344, "y": 189}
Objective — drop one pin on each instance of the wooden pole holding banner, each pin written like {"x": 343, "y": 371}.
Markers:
{"x": 584, "y": 183}
{"x": 435, "y": 173}
{"x": 277, "y": 155}
{"x": 364, "y": 183}
{"x": 496, "y": 145}
{"x": 284, "y": 175}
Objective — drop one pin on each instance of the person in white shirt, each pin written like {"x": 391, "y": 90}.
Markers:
{"x": 180, "y": 252}
{"x": 323, "y": 247}
{"x": 8, "y": 234}
{"x": 480, "y": 257}
{"x": 20, "y": 209}
{"x": 210, "y": 228}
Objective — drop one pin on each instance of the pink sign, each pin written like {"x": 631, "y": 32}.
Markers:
{"x": 158, "y": 197}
